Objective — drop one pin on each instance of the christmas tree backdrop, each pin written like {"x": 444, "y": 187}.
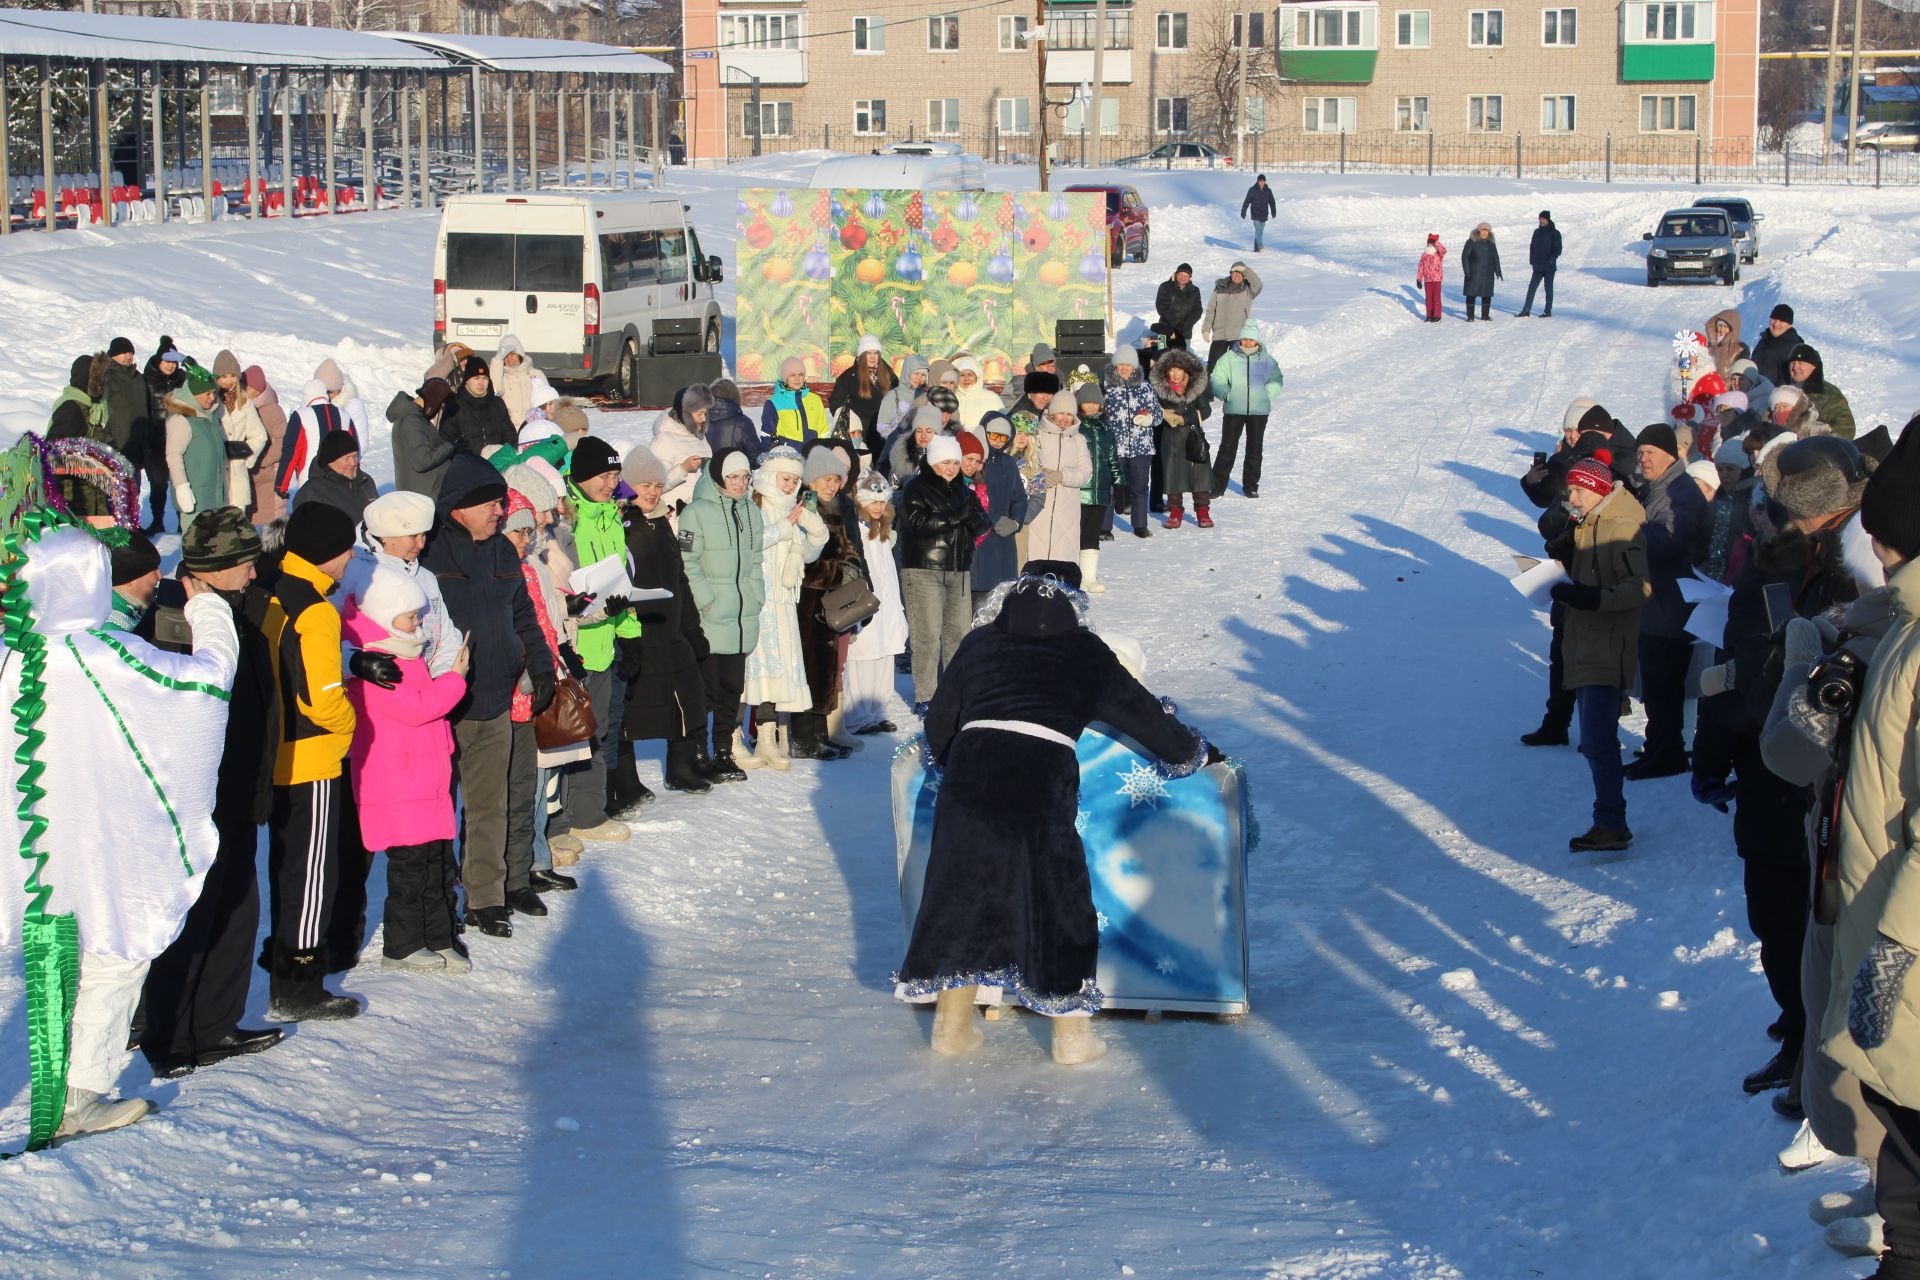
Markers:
{"x": 932, "y": 273}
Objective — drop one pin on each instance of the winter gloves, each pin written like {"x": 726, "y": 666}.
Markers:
{"x": 575, "y": 668}
{"x": 629, "y": 657}
{"x": 1576, "y": 595}
{"x": 374, "y": 667}
{"x": 544, "y": 684}
{"x": 1717, "y": 792}
{"x": 1006, "y": 526}
{"x": 1876, "y": 992}
{"x": 1808, "y": 638}
{"x": 1716, "y": 680}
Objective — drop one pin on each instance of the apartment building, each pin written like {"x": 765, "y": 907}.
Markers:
{"x": 853, "y": 72}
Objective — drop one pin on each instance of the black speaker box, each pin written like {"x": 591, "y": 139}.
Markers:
{"x": 677, "y": 337}
{"x": 656, "y": 378}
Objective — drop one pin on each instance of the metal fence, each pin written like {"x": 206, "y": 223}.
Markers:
{"x": 1639, "y": 158}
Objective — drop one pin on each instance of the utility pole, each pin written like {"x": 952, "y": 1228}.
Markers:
{"x": 1039, "y": 42}
{"x": 1853, "y": 83}
{"x": 1099, "y": 77}
{"x": 1240, "y": 87}
{"x": 1833, "y": 56}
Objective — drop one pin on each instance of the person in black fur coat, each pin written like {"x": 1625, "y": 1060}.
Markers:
{"x": 1008, "y": 901}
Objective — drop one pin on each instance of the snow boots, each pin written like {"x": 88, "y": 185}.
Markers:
{"x": 809, "y": 739}
{"x": 1174, "y": 516}
{"x": 1805, "y": 1151}
{"x": 421, "y": 961}
{"x": 625, "y": 792}
{"x": 735, "y": 753}
{"x": 1074, "y": 1041}
{"x": 704, "y": 766}
{"x": 1089, "y": 572}
{"x": 299, "y": 992}
{"x": 954, "y": 1028}
{"x": 608, "y": 831}
{"x": 1776, "y": 1073}
{"x": 681, "y": 774}
{"x": 1203, "y": 515}
{"x": 565, "y": 849}
{"x": 87, "y": 1112}
{"x": 837, "y": 730}
{"x": 770, "y": 746}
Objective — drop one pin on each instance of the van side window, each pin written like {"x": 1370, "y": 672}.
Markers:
{"x": 693, "y": 238}
{"x": 673, "y": 257}
{"x": 643, "y": 262}
{"x": 614, "y": 254}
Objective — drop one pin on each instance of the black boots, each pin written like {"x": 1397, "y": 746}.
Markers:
{"x": 810, "y": 740}
{"x": 1776, "y": 1074}
{"x": 525, "y": 902}
{"x": 299, "y": 990}
{"x": 682, "y": 774}
{"x": 1599, "y": 839}
{"x": 1485, "y": 309}
{"x": 724, "y": 769}
{"x": 1547, "y": 735}
{"x": 625, "y": 792}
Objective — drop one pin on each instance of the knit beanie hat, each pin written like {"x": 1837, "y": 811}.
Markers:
{"x": 1705, "y": 472}
{"x": 867, "y": 343}
{"x": 927, "y": 418}
{"x": 1041, "y": 382}
{"x": 1783, "y": 312}
{"x": 1735, "y": 400}
{"x": 334, "y": 446}
{"x": 135, "y": 559}
{"x": 970, "y": 444}
{"x": 823, "y": 462}
{"x": 1876, "y": 444}
{"x": 1575, "y": 417}
{"x": 540, "y": 392}
{"x": 1660, "y": 436}
{"x": 225, "y": 363}
{"x": 1732, "y": 453}
{"x": 519, "y": 513}
{"x": 317, "y": 532}
{"x": 1890, "y": 508}
{"x": 389, "y": 594}
{"x": 1812, "y": 477}
{"x": 398, "y": 514}
{"x": 330, "y": 376}
{"x": 1089, "y": 394}
{"x": 733, "y": 463}
{"x": 1594, "y": 474}
{"x": 220, "y": 539}
{"x": 1124, "y": 354}
{"x": 943, "y": 449}
{"x": 531, "y": 485}
{"x": 592, "y": 457}
{"x": 1595, "y": 418}
{"x": 200, "y": 380}
{"x": 642, "y": 467}
{"x": 120, "y": 347}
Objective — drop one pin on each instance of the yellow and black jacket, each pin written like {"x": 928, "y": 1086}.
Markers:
{"x": 316, "y": 721}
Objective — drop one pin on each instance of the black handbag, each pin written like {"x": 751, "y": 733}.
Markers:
{"x": 849, "y": 604}
{"x": 1197, "y": 452}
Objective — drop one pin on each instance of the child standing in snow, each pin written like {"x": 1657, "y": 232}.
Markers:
{"x": 870, "y": 655}
{"x": 1430, "y": 272}
{"x": 402, "y": 762}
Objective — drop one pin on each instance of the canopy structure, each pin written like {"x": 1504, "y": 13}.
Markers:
{"x": 514, "y": 53}
{"x": 90, "y": 37}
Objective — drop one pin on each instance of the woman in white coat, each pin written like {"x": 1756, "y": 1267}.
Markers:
{"x": 1065, "y": 464}
{"x": 513, "y": 376}
{"x": 870, "y": 654}
{"x": 240, "y": 422}
{"x": 795, "y": 536}
{"x": 680, "y": 442}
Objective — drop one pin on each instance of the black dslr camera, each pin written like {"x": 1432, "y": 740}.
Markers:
{"x": 1834, "y": 682}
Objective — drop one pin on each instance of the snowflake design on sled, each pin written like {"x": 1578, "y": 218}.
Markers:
{"x": 1141, "y": 785}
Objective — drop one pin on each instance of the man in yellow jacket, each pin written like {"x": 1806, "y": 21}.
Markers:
{"x": 316, "y": 727}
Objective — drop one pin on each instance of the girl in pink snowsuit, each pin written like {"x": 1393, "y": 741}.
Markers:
{"x": 1430, "y": 272}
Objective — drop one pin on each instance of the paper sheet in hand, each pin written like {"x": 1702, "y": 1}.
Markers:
{"x": 1708, "y": 621}
{"x": 608, "y": 577}
{"x": 1535, "y": 582}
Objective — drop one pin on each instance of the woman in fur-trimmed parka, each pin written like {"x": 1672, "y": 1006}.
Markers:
{"x": 1179, "y": 381}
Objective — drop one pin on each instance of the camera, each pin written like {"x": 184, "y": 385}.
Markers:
{"x": 1834, "y": 682}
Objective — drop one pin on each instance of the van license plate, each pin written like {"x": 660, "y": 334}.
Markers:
{"x": 482, "y": 330}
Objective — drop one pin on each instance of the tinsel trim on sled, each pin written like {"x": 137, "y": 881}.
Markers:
{"x": 1087, "y": 999}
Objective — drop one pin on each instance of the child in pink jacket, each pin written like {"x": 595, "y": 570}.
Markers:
{"x": 1430, "y": 273}
{"x": 402, "y": 763}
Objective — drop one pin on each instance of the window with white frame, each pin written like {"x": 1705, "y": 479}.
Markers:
{"x": 943, "y": 115}
{"x": 1678, "y": 20}
{"x": 1256, "y": 115}
{"x": 1013, "y": 33}
{"x": 1259, "y": 29}
{"x": 1483, "y": 113}
{"x": 1556, "y": 113}
{"x": 1169, "y": 115}
{"x": 870, "y": 116}
{"x": 1329, "y": 115}
{"x": 1074, "y": 28}
{"x": 1558, "y": 28}
{"x": 760, "y": 30}
{"x": 943, "y": 33}
{"x": 776, "y": 119}
{"x": 1410, "y": 114}
{"x": 1667, "y": 113}
{"x": 1016, "y": 115}
{"x": 1487, "y": 28}
{"x": 1332, "y": 27}
{"x": 1170, "y": 31}
{"x": 869, "y": 35}
{"x": 1413, "y": 29}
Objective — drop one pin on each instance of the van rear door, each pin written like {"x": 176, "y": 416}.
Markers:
{"x": 528, "y": 284}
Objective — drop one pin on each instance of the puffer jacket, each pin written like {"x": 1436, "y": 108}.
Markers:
{"x": 720, "y": 538}
{"x": 1246, "y": 382}
{"x": 1121, "y": 403}
{"x": 1607, "y": 550}
{"x": 420, "y": 452}
{"x": 477, "y": 421}
{"x": 1231, "y": 305}
{"x": 673, "y": 443}
{"x": 513, "y": 385}
{"x": 939, "y": 521}
{"x": 1104, "y": 458}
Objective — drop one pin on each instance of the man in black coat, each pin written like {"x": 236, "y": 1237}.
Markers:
{"x": 196, "y": 991}
{"x": 1544, "y": 256}
{"x": 487, "y": 599}
{"x": 336, "y": 478}
{"x": 1676, "y": 510}
{"x": 1259, "y": 205}
{"x": 476, "y": 416}
{"x": 165, "y": 373}
{"x": 1179, "y": 307}
{"x": 129, "y": 413}
{"x": 1775, "y": 345}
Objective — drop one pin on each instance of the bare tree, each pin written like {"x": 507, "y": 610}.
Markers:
{"x": 1212, "y": 76}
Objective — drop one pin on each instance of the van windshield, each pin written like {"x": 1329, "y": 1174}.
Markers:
{"x": 524, "y": 264}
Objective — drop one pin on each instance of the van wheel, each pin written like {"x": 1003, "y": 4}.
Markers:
{"x": 712, "y": 347}
{"x": 627, "y": 379}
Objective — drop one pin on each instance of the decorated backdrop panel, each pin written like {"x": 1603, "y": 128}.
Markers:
{"x": 928, "y": 272}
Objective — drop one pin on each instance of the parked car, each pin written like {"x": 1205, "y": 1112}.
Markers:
{"x": 1746, "y": 230}
{"x": 1890, "y": 135}
{"x": 1126, "y": 222}
{"x": 1692, "y": 244}
{"x": 1178, "y": 155}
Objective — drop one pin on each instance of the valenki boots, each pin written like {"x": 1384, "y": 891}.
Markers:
{"x": 1074, "y": 1041}
{"x": 955, "y": 1029}
{"x": 1089, "y": 570}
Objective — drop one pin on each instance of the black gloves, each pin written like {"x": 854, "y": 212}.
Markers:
{"x": 629, "y": 656}
{"x": 239, "y": 450}
{"x": 543, "y": 687}
{"x": 701, "y": 649}
{"x": 1213, "y": 754}
{"x": 575, "y": 668}
{"x": 577, "y": 605}
{"x": 382, "y": 669}
{"x": 614, "y": 606}
{"x": 1717, "y": 792}
{"x": 1576, "y": 595}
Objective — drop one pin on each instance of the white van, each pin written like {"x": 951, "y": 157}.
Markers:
{"x": 905, "y": 166}
{"x": 579, "y": 278}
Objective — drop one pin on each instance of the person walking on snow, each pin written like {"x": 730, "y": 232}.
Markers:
{"x": 1429, "y": 274}
{"x": 1480, "y": 267}
{"x": 1259, "y": 205}
{"x": 1543, "y": 255}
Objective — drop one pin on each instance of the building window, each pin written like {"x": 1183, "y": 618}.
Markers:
{"x": 1557, "y": 28}
{"x": 870, "y": 116}
{"x": 869, "y": 35}
{"x": 1672, "y": 21}
{"x": 1169, "y": 115}
{"x": 1015, "y": 115}
{"x": 1076, "y": 121}
{"x": 1256, "y": 115}
{"x": 1170, "y": 31}
{"x": 1073, "y": 29}
{"x": 943, "y": 116}
{"x": 760, "y": 31}
{"x": 1013, "y": 34}
{"x": 1410, "y": 115}
{"x": 1329, "y": 115}
{"x": 776, "y": 119}
{"x": 1333, "y": 28}
{"x": 1486, "y": 28}
{"x": 1556, "y": 113}
{"x": 1413, "y": 29}
{"x": 1667, "y": 113}
{"x": 1259, "y": 30}
{"x": 943, "y": 33}
{"x": 1483, "y": 113}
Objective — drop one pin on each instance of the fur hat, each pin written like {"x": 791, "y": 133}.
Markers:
{"x": 1890, "y": 507}
{"x": 317, "y": 532}
{"x": 868, "y": 342}
{"x": 1813, "y": 477}
{"x": 398, "y": 514}
{"x": 692, "y": 398}
{"x": 1041, "y": 382}
{"x": 433, "y": 396}
{"x": 389, "y": 594}
{"x": 642, "y": 467}
{"x": 530, "y": 484}
{"x": 942, "y": 449}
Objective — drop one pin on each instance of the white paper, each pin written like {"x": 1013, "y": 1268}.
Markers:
{"x": 1708, "y": 619}
{"x": 1536, "y": 582}
{"x": 608, "y": 577}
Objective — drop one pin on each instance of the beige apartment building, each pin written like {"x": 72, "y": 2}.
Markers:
{"x": 851, "y": 74}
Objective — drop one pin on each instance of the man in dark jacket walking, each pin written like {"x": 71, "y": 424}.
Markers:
{"x": 1259, "y": 205}
{"x": 1775, "y": 345}
{"x": 1543, "y": 255}
{"x": 486, "y": 597}
{"x": 1179, "y": 307}
{"x": 1676, "y": 510}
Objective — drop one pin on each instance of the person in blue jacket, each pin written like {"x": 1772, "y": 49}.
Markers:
{"x": 1544, "y": 255}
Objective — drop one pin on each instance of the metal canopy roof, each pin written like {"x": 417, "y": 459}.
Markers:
{"x": 513, "y": 53}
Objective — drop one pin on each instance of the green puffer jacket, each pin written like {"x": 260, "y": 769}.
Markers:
{"x": 1106, "y": 461}
{"x": 720, "y": 544}
{"x": 1245, "y": 383}
{"x": 597, "y": 534}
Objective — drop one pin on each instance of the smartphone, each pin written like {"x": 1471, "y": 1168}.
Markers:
{"x": 1539, "y": 458}
{"x": 1779, "y": 606}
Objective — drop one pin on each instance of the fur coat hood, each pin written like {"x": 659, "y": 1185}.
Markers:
{"x": 1196, "y": 377}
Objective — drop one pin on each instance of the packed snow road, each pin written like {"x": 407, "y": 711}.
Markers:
{"x": 1471, "y": 1054}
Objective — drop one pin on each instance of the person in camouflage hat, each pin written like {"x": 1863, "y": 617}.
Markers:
{"x": 217, "y": 540}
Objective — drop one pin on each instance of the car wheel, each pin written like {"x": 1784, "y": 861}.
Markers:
{"x": 1143, "y": 248}
{"x": 626, "y": 377}
{"x": 1653, "y": 281}
{"x": 1119, "y": 252}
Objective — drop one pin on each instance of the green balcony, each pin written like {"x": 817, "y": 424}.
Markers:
{"x": 1646, "y": 63}
{"x": 1331, "y": 66}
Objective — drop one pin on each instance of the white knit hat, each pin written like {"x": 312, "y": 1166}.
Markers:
{"x": 867, "y": 343}
{"x": 734, "y": 463}
{"x": 1705, "y": 472}
{"x": 398, "y": 514}
{"x": 942, "y": 449}
{"x": 540, "y": 392}
{"x": 390, "y": 594}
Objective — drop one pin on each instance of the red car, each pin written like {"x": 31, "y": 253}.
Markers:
{"x": 1126, "y": 222}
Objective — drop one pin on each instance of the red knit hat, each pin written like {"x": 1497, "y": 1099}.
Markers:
{"x": 1433, "y": 237}
{"x": 1593, "y": 473}
{"x": 970, "y": 444}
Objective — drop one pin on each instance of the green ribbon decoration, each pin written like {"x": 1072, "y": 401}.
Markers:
{"x": 164, "y": 681}
{"x": 126, "y": 735}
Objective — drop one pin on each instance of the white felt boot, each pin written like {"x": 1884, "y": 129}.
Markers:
{"x": 954, "y": 1027}
{"x": 1074, "y": 1041}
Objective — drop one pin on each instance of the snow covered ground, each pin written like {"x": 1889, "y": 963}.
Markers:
{"x": 1471, "y": 1054}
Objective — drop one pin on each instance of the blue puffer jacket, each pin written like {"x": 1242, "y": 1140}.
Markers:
{"x": 1246, "y": 382}
{"x": 1118, "y": 405}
